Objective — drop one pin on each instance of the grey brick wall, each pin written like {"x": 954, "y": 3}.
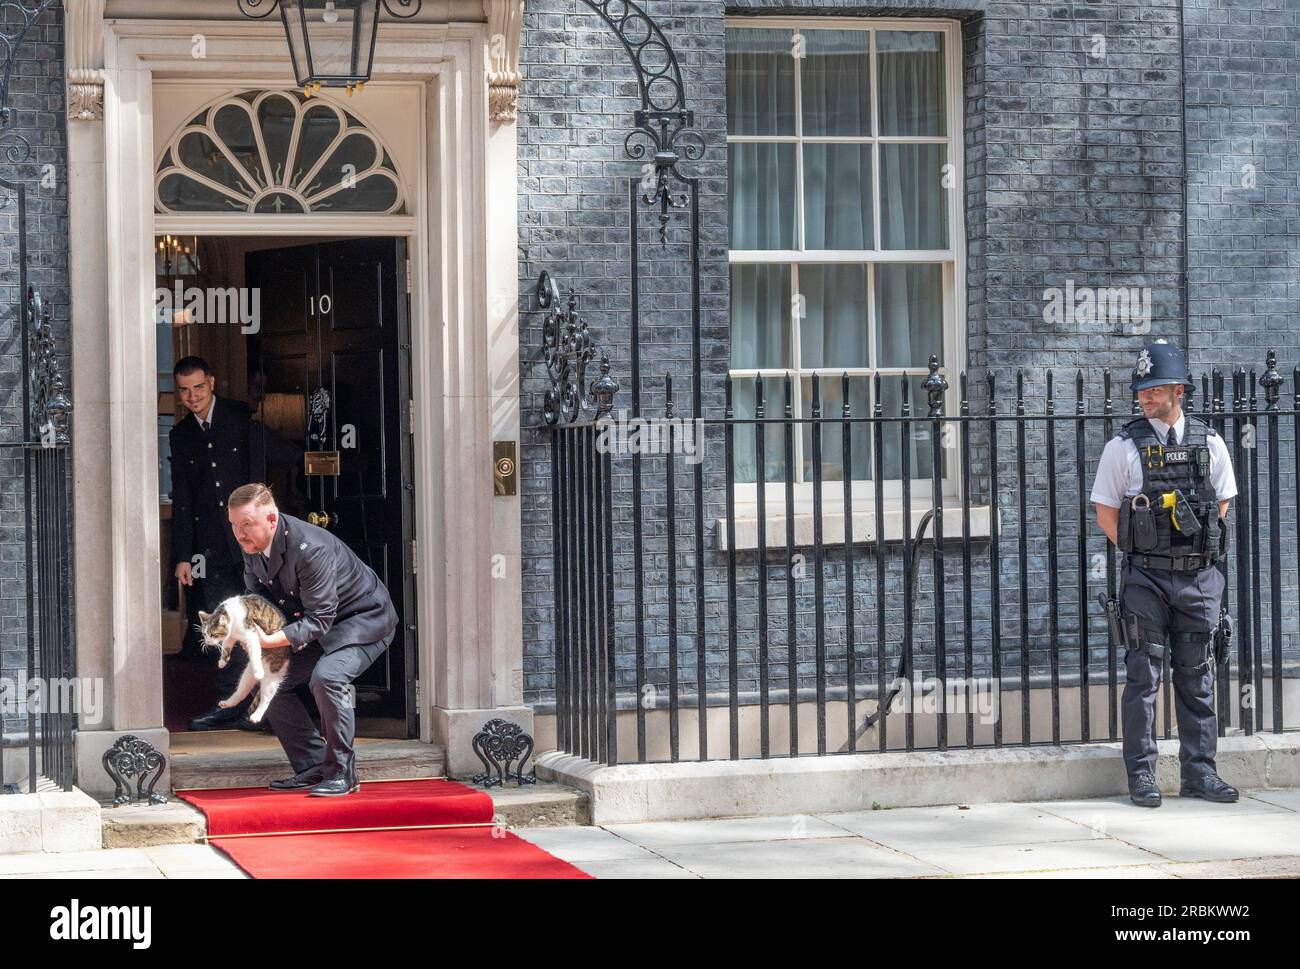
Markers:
{"x": 1074, "y": 173}
{"x": 1243, "y": 105}
{"x": 37, "y": 95}
{"x": 575, "y": 110}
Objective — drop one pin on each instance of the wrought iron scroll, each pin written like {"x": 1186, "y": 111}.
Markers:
{"x": 132, "y": 757}
{"x": 50, "y": 404}
{"x": 11, "y": 39}
{"x": 16, "y": 148}
{"x": 499, "y": 744}
{"x": 663, "y": 126}
{"x": 568, "y": 347}
{"x": 253, "y": 8}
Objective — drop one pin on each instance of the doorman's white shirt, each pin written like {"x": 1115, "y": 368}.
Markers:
{"x": 1119, "y": 473}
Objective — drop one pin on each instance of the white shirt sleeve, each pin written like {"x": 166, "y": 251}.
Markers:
{"x": 1114, "y": 479}
{"x": 1221, "y": 476}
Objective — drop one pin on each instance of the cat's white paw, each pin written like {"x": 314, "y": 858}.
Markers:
{"x": 221, "y": 664}
{"x": 255, "y": 717}
{"x": 224, "y": 704}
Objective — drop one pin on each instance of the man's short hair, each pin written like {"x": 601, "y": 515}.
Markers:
{"x": 256, "y": 494}
{"x": 188, "y": 365}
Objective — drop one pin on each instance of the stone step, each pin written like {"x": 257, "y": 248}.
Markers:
{"x": 256, "y": 765}
{"x": 540, "y": 805}
{"x": 49, "y": 820}
{"x": 140, "y": 825}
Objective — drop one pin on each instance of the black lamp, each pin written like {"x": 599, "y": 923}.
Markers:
{"x": 331, "y": 42}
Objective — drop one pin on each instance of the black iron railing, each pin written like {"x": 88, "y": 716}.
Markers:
{"x": 42, "y": 691}
{"x": 957, "y": 580}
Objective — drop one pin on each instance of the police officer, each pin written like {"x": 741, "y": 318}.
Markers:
{"x": 340, "y": 620}
{"x": 213, "y": 450}
{"x": 1162, "y": 492}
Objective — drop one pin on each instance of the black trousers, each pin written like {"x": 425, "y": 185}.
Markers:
{"x": 328, "y": 675}
{"x": 1177, "y": 610}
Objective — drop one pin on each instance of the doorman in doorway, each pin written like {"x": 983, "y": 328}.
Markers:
{"x": 341, "y": 619}
{"x": 216, "y": 448}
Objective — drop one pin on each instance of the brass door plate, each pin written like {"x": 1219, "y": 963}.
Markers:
{"x": 505, "y": 468}
{"x": 321, "y": 462}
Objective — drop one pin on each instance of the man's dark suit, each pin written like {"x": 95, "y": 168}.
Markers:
{"x": 340, "y": 620}
{"x": 206, "y": 467}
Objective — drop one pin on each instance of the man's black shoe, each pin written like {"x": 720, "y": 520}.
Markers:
{"x": 336, "y": 786}
{"x": 298, "y": 782}
{"x": 1209, "y": 786}
{"x": 217, "y": 719}
{"x": 1143, "y": 791}
{"x": 263, "y": 726}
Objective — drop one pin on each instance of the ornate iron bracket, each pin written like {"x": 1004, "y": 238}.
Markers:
{"x": 499, "y": 744}
{"x": 568, "y": 348}
{"x": 132, "y": 757}
{"x": 51, "y": 406}
{"x": 663, "y": 125}
{"x": 250, "y": 8}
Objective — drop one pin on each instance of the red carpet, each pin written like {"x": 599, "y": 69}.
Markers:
{"x": 276, "y": 835}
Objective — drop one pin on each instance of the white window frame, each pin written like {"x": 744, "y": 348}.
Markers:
{"x": 953, "y": 260}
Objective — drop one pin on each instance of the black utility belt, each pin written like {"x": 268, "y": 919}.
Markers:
{"x": 1173, "y": 563}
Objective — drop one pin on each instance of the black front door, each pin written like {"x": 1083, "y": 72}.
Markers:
{"x": 331, "y": 363}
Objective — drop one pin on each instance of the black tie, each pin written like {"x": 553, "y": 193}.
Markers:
{"x": 204, "y": 425}
{"x": 1173, "y": 437}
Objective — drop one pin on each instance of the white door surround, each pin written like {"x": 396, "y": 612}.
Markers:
{"x": 462, "y": 223}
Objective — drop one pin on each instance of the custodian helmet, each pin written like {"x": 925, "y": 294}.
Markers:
{"x": 1160, "y": 363}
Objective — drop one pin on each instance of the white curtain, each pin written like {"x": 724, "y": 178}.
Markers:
{"x": 760, "y": 101}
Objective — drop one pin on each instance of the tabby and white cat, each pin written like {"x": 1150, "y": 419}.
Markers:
{"x": 231, "y": 624}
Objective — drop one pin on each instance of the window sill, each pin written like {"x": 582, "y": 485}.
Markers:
{"x": 864, "y": 526}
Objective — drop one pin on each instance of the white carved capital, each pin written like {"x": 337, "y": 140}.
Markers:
{"x": 83, "y": 26}
{"x": 503, "y": 17}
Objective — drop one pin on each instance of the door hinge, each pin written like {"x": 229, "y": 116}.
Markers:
{"x": 408, "y": 275}
{"x": 415, "y": 557}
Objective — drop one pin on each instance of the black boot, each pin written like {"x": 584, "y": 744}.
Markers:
{"x": 299, "y": 782}
{"x": 1143, "y": 791}
{"x": 218, "y": 719}
{"x": 1209, "y": 786}
{"x": 337, "y": 786}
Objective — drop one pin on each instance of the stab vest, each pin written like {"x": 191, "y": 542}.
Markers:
{"x": 1184, "y": 467}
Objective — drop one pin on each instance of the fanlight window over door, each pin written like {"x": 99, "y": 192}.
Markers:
{"x": 273, "y": 152}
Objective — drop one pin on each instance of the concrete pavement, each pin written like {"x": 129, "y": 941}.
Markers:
{"x": 1101, "y": 838}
